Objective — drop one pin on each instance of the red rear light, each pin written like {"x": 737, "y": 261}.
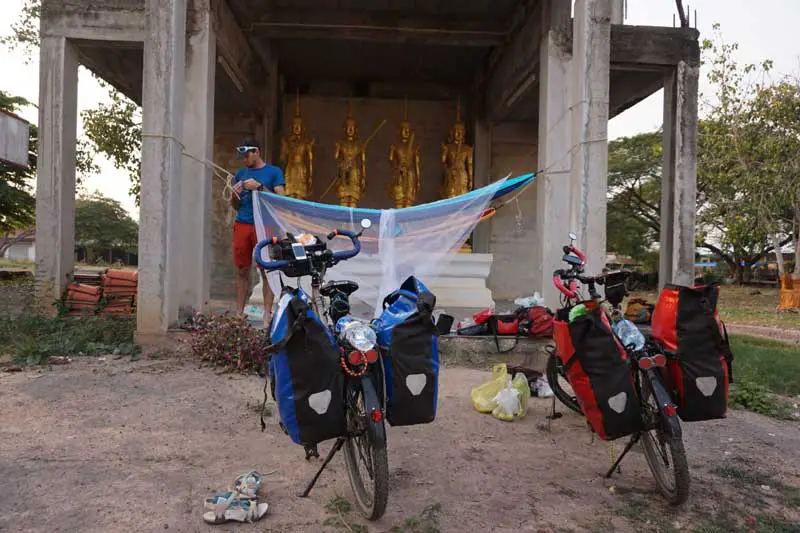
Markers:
{"x": 660, "y": 360}
{"x": 355, "y": 358}
{"x": 645, "y": 363}
{"x": 670, "y": 410}
{"x": 372, "y": 356}
{"x": 376, "y": 415}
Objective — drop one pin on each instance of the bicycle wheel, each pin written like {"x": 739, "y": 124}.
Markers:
{"x": 660, "y": 447}
{"x": 367, "y": 447}
{"x": 560, "y": 388}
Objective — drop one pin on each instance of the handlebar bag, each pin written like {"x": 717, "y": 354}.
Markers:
{"x": 599, "y": 372}
{"x": 307, "y": 381}
{"x": 686, "y": 321}
{"x": 409, "y": 343}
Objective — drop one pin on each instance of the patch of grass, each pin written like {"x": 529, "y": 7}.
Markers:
{"x": 772, "y": 364}
{"x": 758, "y": 399}
{"x": 33, "y": 339}
{"x": 750, "y": 481}
{"x": 340, "y": 508}
{"x": 426, "y": 522}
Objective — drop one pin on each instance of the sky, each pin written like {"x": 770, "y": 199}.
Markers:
{"x": 764, "y": 30}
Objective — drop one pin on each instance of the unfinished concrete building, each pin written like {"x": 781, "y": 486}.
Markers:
{"x": 537, "y": 82}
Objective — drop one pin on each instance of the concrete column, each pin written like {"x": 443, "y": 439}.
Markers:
{"x": 553, "y": 185}
{"x": 160, "y": 240}
{"x": 618, "y": 11}
{"x": 679, "y": 176}
{"x": 198, "y": 125}
{"x": 482, "y": 170}
{"x": 591, "y": 51}
{"x": 55, "y": 172}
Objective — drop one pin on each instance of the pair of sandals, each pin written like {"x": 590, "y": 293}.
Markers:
{"x": 240, "y": 505}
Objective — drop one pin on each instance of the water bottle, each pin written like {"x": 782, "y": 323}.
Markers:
{"x": 629, "y": 335}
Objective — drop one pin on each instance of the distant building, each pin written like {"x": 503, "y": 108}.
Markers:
{"x": 22, "y": 250}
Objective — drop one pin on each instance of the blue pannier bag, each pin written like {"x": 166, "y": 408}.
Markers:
{"x": 305, "y": 376}
{"x": 409, "y": 343}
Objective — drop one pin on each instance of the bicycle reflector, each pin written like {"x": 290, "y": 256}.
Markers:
{"x": 376, "y": 415}
{"x": 356, "y": 358}
{"x": 670, "y": 410}
{"x": 646, "y": 363}
{"x": 660, "y": 360}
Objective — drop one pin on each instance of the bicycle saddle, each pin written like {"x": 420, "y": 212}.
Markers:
{"x": 332, "y": 287}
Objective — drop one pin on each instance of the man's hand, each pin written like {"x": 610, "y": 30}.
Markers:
{"x": 237, "y": 189}
{"x": 251, "y": 184}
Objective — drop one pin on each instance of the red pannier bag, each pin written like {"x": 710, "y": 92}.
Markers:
{"x": 599, "y": 372}
{"x": 535, "y": 322}
{"x": 686, "y": 321}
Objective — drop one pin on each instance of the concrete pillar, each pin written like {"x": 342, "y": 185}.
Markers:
{"x": 482, "y": 171}
{"x": 196, "y": 186}
{"x": 55, "y": 172}
{"x": 553, "y": 186}
{"x": 160, "y": 240}
{"x": 591, "y": 51}
{"x": 618, "y": 11}
{"x": 679, "y": 176}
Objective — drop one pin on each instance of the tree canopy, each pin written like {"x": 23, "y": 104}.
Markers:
{"x": 102, "y": 223}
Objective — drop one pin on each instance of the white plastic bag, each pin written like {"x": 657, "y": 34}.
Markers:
{"x": 530, "y": 301}
{"x": 508, "y": 404}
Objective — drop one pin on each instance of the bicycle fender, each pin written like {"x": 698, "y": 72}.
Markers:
{"x": 670, "y": 424}
{"x": 372, "y": 402}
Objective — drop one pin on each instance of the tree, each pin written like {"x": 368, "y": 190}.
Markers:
{"x": 112, "y": 129}
{"x": 749, "y": 157}
{"x": 102, "y": 224}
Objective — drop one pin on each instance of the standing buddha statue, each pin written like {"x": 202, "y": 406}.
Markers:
{"x": 351, "y": 163}
{"x": 297, "y": 157}
{"x": 405, "y": 160}
{"x": 457, "y": 159}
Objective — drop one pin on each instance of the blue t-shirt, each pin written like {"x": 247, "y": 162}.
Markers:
{"x": 269, "y": 176}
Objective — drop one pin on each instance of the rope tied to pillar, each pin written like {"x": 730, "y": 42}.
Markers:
{"x": 216, "y": 170}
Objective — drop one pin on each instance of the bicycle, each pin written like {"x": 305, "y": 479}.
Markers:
{"x": 364, "y": 436}
{"x": 661, "y": 429}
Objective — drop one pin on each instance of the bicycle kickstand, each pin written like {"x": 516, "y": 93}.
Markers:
{"x": 625, "y": 451}
{"x": 335, "y": 448}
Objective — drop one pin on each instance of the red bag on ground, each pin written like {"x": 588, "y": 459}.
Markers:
{"x": 598, "y": 370}
{"x": 536, "y": 322}
{"x": 686, "y": 321}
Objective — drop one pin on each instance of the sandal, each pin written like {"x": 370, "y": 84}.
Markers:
{"x": 247, "y": 485}
{"x": 225, "y": 508}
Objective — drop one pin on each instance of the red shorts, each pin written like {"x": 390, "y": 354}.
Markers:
{"x": 244, "y": 243}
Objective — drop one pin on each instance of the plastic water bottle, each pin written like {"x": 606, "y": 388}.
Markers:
{"x": 629, "y": 335}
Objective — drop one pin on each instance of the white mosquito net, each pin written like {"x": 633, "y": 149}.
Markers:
{"x": 418, "y": 241}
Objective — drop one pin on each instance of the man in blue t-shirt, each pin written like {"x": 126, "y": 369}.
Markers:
{"x": 256, "y": 175}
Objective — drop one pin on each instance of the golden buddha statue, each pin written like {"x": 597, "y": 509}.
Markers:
{"x": 295, "y": 148}
{"x": 405, "y": 160}
{"x": 457, "y": 159}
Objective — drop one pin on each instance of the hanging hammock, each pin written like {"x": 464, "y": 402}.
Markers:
{"x": 419, "y": 240}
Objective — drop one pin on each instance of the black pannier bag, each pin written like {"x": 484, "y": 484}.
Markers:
{"x": 686, "y": 322}
{"x": 409, "y": 342}
{"x": 599, "y": 372}
{"x": 305, "y": 374}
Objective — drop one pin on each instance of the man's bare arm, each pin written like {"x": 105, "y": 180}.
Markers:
{"x": 280, "y": 189}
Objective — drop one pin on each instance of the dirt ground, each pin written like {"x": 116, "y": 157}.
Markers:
{"x": 106, "y": 444}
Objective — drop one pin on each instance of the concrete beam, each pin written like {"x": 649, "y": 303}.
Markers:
{"x": 55, "y": 173}
{"x": 160, "y": 242}
{"x": 198, "y": 127}
{"x": 654, "y": 45}
{"x": 236, "y": 56}
{"x": 388, "y": 27}
{"x": 679, "y": 176}
{"x": 482, "y": 146}
{"x": 514, "y": 70}
{"x": 590, "y": 101}
{"x": 121, "y": 20}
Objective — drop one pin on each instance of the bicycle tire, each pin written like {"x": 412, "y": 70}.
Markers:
{"x": 680, "y": 493}
{"x": 552, "y": 379}
{"x": 373, "y": 507}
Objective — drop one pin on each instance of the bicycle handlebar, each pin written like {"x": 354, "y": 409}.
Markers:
{"x": 279, "y": 264}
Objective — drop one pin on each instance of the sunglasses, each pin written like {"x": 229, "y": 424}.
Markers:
{"x": 244, "y": 149}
